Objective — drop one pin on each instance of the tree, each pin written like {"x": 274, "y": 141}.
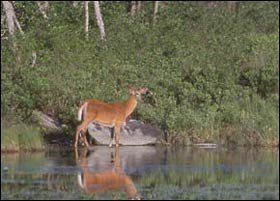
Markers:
{"x": 43, "y": 7}
{"x": 99, "y": 20}
{"x": 11, "y": 18}
{"x": 155, "y": 10}
{"x": 75, "y": 4}
{"x": 86, "y": 19}
{"x": 135, "y": 7}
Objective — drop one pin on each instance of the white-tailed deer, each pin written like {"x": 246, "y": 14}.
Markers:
{"x": 112, "y": 179}
{"x": 112, "y": 114}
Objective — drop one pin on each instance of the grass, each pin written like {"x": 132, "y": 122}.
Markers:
{"x": 20, "y": 137}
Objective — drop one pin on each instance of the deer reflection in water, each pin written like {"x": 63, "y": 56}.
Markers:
{"x": 114, "y": 179}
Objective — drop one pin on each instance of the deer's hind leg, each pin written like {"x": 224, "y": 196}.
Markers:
{"x": 81, "y": 130}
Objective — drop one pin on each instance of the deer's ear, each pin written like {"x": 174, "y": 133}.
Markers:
{"x": 143, "y": 90}
{"x": 131, "y": 90}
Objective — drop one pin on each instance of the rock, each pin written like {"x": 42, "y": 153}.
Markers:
{"x": 47, "y": 122}
{"x": 132, "y": 133}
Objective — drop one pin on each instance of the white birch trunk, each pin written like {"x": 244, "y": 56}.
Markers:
{"x": 43, "y": 7}
{"x": 12, "y": 21}
{"x": 232, "y": 6}
{"x": 3, "y": 30}
{"x": 138, "y": 8}
{"x": 9, "y": 10}
{"x": 155, "y": 10}
{"x": 99, "y": 20}
{"x": 75, "y": 4}
{"x": 133, "y": 8}
{"x": 86, "y": 19}
{"x": 11, "y": 18}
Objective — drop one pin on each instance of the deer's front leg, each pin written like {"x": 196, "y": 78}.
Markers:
{"x": 117, "y": 134}
{"x": 112, "y": 136}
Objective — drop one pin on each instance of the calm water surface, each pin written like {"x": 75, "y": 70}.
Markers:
{"x": 141, "y": 172}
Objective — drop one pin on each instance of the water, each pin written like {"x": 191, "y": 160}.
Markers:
{"x": 145, "y": 172}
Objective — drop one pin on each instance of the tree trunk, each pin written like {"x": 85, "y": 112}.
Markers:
{"x": 155, "y": 10}
{"x": 34, "y": 58}
{"x": 231, "y": 5}
{"x": 86, "y": 19}
{"x": 138, "y": 7}
{"x": 99, "y": 20}
{"x": 133, "y": 8}
{"x": 11, "y": 20}
{"x": 75, "y": 4}
{"x": 3, "y": 30}
{"x": 43, "y": 7}
{"x": 10, "y": 13}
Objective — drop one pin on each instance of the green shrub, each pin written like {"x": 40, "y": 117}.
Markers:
{"x": 205, "y": 66}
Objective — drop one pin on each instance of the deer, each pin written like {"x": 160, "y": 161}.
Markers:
{"x": 109, "y": 114}
{"x": 112, "y": 178}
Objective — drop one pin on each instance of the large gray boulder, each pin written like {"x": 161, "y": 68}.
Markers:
{"x": 133, "y": 132}
{"x": 47, "y": 122}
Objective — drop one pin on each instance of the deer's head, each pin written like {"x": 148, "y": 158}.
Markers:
{"x": 138, "y": 92}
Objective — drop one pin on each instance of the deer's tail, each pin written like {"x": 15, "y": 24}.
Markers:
{"x": 82, "y": 108}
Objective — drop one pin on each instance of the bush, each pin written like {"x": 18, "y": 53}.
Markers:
{"x": 204, "y": 66}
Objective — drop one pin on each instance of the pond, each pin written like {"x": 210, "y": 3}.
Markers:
{"x": 146, "y": 172}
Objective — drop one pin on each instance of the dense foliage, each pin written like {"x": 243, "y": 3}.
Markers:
{"x": 213, "y": 74}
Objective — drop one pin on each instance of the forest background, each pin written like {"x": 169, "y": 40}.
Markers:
{"x": 212, "y": 67}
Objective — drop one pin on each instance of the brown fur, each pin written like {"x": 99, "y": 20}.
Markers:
{"x": 108, "y": 114}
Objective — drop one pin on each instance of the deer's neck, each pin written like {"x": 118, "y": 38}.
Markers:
{"x": 130, "y": 104}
